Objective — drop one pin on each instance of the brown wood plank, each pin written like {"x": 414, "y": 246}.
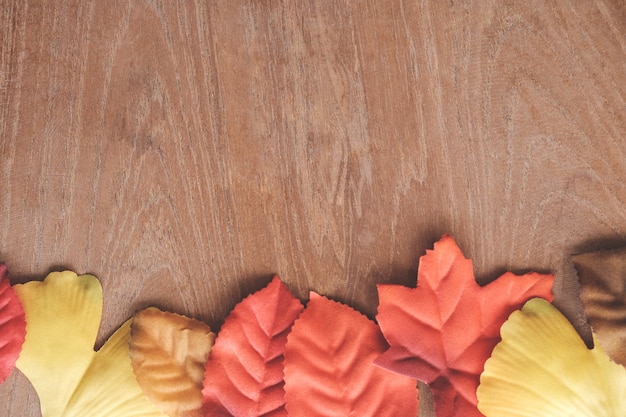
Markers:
{"x": 184, "y": 152}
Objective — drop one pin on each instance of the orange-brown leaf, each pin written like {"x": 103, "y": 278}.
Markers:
{"x": 329, "y": 369}
{"x": 168, "y": 353}
{"x": 443, "y": 331}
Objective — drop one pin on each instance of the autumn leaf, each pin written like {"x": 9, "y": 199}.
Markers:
{"x": 543, "y": 368}
{"x": 603, "y": 293}
{"x": 329, "y": 368}
{"x": 443, "y": 331}
{"x": 72, "y": 380}
{"x": 12, "y": 325}
{"x": 168, "y": 354}
{"x": 244, "y": 373}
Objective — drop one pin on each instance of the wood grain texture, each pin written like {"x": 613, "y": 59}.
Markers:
{"x": 184, "y": 152}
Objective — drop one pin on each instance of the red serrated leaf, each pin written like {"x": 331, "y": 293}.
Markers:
{"x": 244, "y": 373}
{"x": 12, "y": 325}
{"x": 443, "y": 331}
{"x": 329, "y": 369}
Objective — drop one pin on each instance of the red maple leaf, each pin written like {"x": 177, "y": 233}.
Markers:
{"x": 244, "y": 373}
{"x": 443, "y": 331}
{"x": 12, "y": 325}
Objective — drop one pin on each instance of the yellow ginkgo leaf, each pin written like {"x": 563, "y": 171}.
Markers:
{"x": 168, "y": 353}
{"x": 543, "y": 368}
{"x": 62, "y": 320}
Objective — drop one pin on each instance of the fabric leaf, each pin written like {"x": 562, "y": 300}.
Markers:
{"x": 12, "y": 325}
{"x": 168, "y": 353}
{"x": 543, "y": 368}
{"x": 443, "y": 331}
{"x": 244, "y": 373}
{"x": 62, "y": 319}
{"x": 603, "y": 292}
{"x": 329, "y": 368}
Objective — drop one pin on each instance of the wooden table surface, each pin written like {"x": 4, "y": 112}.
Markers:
{"x": 184, "y": 152}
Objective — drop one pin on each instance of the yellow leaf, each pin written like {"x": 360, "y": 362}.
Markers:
{"x": 62, "y": 319}
{"x": 168, "y": 354}
{"x": 543, "y": 368}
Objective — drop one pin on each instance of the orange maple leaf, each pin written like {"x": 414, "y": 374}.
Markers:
{"x": 443, "y": 331}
